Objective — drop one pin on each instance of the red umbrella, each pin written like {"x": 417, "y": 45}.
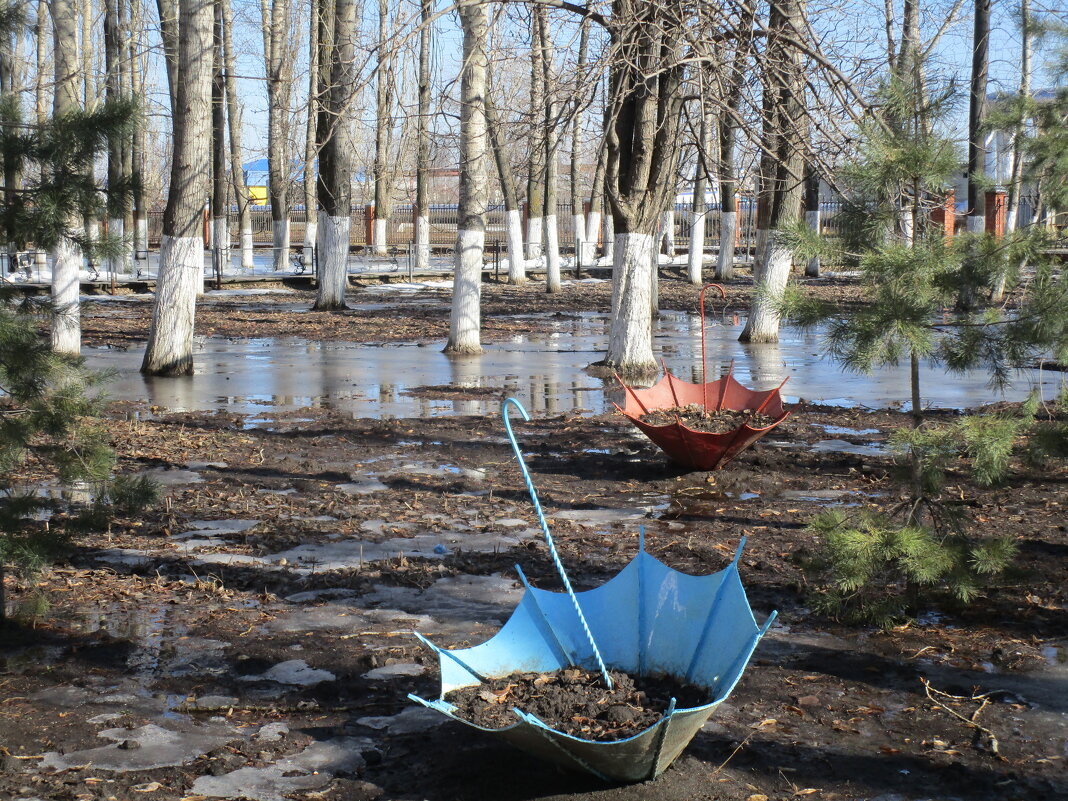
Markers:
{"x": 702, "y": 450}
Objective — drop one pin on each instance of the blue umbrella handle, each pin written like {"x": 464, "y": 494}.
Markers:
{"x": 548, "y": 535}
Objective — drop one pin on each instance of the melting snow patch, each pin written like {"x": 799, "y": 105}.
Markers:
{"x": 394, "y": 671}
{"x": 312, "y": 768}
{"x": 146, "y": 748}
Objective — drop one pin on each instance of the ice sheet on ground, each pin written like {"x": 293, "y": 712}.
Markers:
{"x": 411, "y": 721}
{"x": 393, "y": 671}
{"x": 294, "y": 671}
{"x": 453, "y": 598}
{"x": 157, "y": 748}
{"x": 312, "y": 768}
{"x": 594, "y": 518}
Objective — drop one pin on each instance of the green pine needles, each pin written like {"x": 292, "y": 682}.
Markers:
{"x": 882, "y": 568}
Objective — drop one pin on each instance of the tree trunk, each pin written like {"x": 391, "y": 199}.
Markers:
{"x": 812, "y": 214}
{"x": 695, "y": 261}
{"x": 728, "y": 173}
{"x": 593, "y": 221}
{"x": 310, "y": 185}
{"x": 275, "y": 19}
{"x": 552, "y": 140}
{"x": 517, "y": 273}
{"x": 168, "y": 34}
{"x": 137, "y": 151}
{"x": 784, "y": 180}
{"x": 335, "y": 155}
{"x": 1012, "y": 213}
{"x": 422, "y": 151}
{"x": 645, "y": 103}
{"x": 170, "y": 335}
{"x": 67, "y": 257}
{"x": 464, "y": 321}
{"x": 536, "y": 161}
{"x": 220, "y": 228}
{"x": 234, "y": 118}
{"x": 578, "y": 217}
{"x": 968, "y": 298}
{"x": 112, "y": 55}
{"x": 383, "y": 129}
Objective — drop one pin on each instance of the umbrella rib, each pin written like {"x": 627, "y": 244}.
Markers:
{"x": 549, "y": 537}
{"x": 444, "y": 652}
{"x": 733, "y": 566}
{"x": 568, "y": 656}
{"x": 661, "y": 736}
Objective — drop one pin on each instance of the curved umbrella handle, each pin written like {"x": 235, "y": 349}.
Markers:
{"x": 548, "y": 535}
{"x": 704, "y": 362}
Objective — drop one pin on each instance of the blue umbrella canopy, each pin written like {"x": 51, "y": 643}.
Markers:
{"x": 648, "y": 620}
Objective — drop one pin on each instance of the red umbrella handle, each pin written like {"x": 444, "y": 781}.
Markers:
{"x": 704, "y": 362}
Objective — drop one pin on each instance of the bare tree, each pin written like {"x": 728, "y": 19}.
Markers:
{"x": 170, "y": 335}
{"x": 552, "y": 142}
{"x": 464, "y": 320}
{"x": 136, "y": 45}
{"x": 67, "y": 256}
{"x": 645, "y": 100}
{"x": 702, "y": 179}
{"x": 337, "y": 35}
{"x": 812, "y": 213}
{"x": 782, "y": 172}
{"x": 311, "y": 146}
{"x": 234, "y": 118}
{"x": 220, "y": 213}
{"x": 384, "y": 172}
{"x": 422, "y": 148}
{"x": 536, "y": 160}
{"x": 275, "y": 18}
{"x": 578, "y": 216}
{"x": 513, "y": 216}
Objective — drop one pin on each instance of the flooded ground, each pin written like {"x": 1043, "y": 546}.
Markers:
{"x": 545, "y": 370}
{"x": 251, "y": 637}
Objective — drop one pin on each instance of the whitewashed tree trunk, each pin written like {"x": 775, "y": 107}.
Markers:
{"x": 812, "y": 219}
{"x": 728, "y": 235}
{"x": 593, "y": 230}
{"x": 170, "y": 333}
{"x": 517, "y": 273}
{"x": 552, "y": 254}
{"x": 66, "y": 309}
{"x": 578, "y": 225}
{"x": 220, "y": 238}
{"x": 667, "y": 231}
{"x": 116, "y": 230}
{"x": 381, "y": 237}
{"x": 311, "y": 235}
{"x": 248, "y": 247}
{"x": 280, "y": 245}
{"x": 630, "y": 344}
{"x": 333, "y": 244}
{"x": 764, "y": 317}
{"x": 66, "y": 256}
{"x": 169, "y": 350}
{"x": 609, "y": 238}
{"x": 695, "y": 262}
{"x": 422, "y": 242}
{"x": 535, "y": 231}
{"x": 465, "y": 317}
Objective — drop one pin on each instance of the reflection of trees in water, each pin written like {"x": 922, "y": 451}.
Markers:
{"x": 766, "y": 365}
{"x": 466, "y": 373}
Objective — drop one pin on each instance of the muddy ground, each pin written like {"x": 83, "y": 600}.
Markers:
{"x": 250, "y": 637}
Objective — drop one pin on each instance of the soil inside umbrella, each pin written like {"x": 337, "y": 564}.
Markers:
{"x": 695, "y": 417}
{"x": 576, "y": 701}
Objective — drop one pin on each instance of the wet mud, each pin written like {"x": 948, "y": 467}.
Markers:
{"x": 252, "y": 635}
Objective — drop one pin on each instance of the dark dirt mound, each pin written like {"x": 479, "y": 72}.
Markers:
{"x": 695, "y": 417}
{"x": 576, "y": 701}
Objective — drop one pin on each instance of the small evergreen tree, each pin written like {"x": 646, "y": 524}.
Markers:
{"x": 876, "y": 568}
{"x": 45, "y": 412}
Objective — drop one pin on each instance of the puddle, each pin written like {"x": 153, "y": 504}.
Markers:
{"x": 844, "y": 431}
{"x": 546, "y": 371}
{"x": 841, "y": 446}
{"x": 296, "y": 672}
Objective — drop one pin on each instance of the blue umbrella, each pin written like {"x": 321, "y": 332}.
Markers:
{"x": 648, "y": 620}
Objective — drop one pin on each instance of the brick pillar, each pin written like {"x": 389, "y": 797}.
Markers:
{"x": 946, "y": 215}
{"x": 368, "y": 225}
{"x": 995, "y": 212}
{"x": 206, "y": 227}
